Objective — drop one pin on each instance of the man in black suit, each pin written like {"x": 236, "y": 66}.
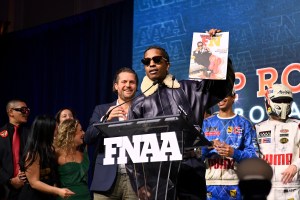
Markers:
{"x": 112, "y": 181}
{"x": 202, "y": 54}
{"x": 10, "y": 175}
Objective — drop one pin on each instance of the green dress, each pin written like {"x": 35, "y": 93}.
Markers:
{"x": 73, "y": 176}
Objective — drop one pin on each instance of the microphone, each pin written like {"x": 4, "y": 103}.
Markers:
{"x": 181, "y": 110}
{"x": 105, "y": 117}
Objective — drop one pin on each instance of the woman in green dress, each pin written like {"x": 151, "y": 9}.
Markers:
{"x": 73, "y": 164}
{"x": 39, "y": 163}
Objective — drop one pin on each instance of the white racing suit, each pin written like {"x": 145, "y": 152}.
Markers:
{"x": 279, "y": 145}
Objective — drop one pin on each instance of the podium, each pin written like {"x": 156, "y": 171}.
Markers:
{"x": 157, "y": 178}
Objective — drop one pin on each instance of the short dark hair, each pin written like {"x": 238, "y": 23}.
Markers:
{"x": 12, "y": 103}
{"x": 121, "y": 70}
{"x": 162, "y": 50}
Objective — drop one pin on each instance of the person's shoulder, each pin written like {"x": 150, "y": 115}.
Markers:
{"x": 104, "y": 105}
{"x": 294, "y": 120}
{"x": 243, "y": 118}
{"x": 3, "y": 127}
{"x": 4, "y": 131}
{"x": 262, "y": 122}
{"x": 138, "y": 99}
{"x": 210, "y": 118}
{"x": 190, "y": 83}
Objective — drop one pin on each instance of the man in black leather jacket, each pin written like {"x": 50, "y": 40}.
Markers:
{"x": 194, "y": 97}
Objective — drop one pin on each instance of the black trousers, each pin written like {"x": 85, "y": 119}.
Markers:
{"x": 191, "y": 184}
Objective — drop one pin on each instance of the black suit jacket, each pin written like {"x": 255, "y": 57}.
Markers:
{"x": 6, "y": 156}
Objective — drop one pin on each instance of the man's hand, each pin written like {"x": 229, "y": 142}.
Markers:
{"x": 16, "y": 182}
{"x": 223, "y": 149}
{"x": 288, "y": 174}
{"x": 144, "y": 193}
{"x": 117, "y": 112}
{"x": 22, "y": 176}
{"x": 213, "y": 31}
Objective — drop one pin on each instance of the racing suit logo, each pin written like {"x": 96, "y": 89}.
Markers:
{"x": 278, "y": 159}
{"x": 232, "y": 193}
{"x": 284, "y": 140}
{"x": 212, "y": 131}
{"x": 219, "y": 163}
{"x": 263, "y": 134}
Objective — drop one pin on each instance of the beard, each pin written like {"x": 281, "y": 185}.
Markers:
{"x": 125, "y": 96}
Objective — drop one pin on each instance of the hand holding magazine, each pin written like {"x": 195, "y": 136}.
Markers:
{"x": 209, "y": 55}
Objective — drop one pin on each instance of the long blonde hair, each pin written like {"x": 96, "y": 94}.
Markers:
{"x": 64, "y": 140}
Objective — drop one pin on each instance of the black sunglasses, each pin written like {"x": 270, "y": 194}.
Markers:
{"x": 23, "y": 110}
{"x": 156, "y": 60}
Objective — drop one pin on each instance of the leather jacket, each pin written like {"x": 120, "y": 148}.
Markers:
{"x": 194, "y": 97}
{"x": 168, "y": 98}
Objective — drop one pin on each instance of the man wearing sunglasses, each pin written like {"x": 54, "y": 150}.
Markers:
{"x": 13, "y": 136}
{"x": 202, "y": 54}
{"x": 165, "y": 98}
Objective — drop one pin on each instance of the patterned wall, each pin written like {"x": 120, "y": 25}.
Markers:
{"x": 264, "y": 36}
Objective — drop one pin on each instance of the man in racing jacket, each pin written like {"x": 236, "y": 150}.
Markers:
{"x": 279, "y": 139}
{"x": 233, "y": 137}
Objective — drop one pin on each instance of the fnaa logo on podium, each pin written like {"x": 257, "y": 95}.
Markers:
{"x": 143, "y": 148}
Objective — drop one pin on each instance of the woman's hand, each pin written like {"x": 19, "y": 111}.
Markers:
{"x": 65, "y": 193}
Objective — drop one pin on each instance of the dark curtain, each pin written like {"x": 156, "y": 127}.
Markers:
{"x": 67, "y": 63}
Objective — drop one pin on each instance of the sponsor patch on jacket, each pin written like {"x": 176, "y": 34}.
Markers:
{"x": 284, "y": 130}
{"x": 212, "y": 131}
{"x": 232, "y": 193}
{"x": 4, "y": 133}
{"x": 238, "y": 130}
{"x": 284, "y": 135}
{"x": 229, "y": 129}
{"x": 264, "y": 134}
{"x": 284, "y": 140}
{"x": 264, "y": 140}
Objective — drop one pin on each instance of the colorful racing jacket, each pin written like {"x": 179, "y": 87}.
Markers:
{"x": 279, "y": 144}
{"x": 236, "y": 131}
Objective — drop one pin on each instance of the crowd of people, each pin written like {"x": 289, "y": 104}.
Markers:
{"x": 50, "y": 160}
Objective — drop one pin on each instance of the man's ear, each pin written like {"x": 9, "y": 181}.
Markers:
{"x": 168, "y": 66}
{"x": 115, "y": 87}
{"x": 9, "y": 112}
